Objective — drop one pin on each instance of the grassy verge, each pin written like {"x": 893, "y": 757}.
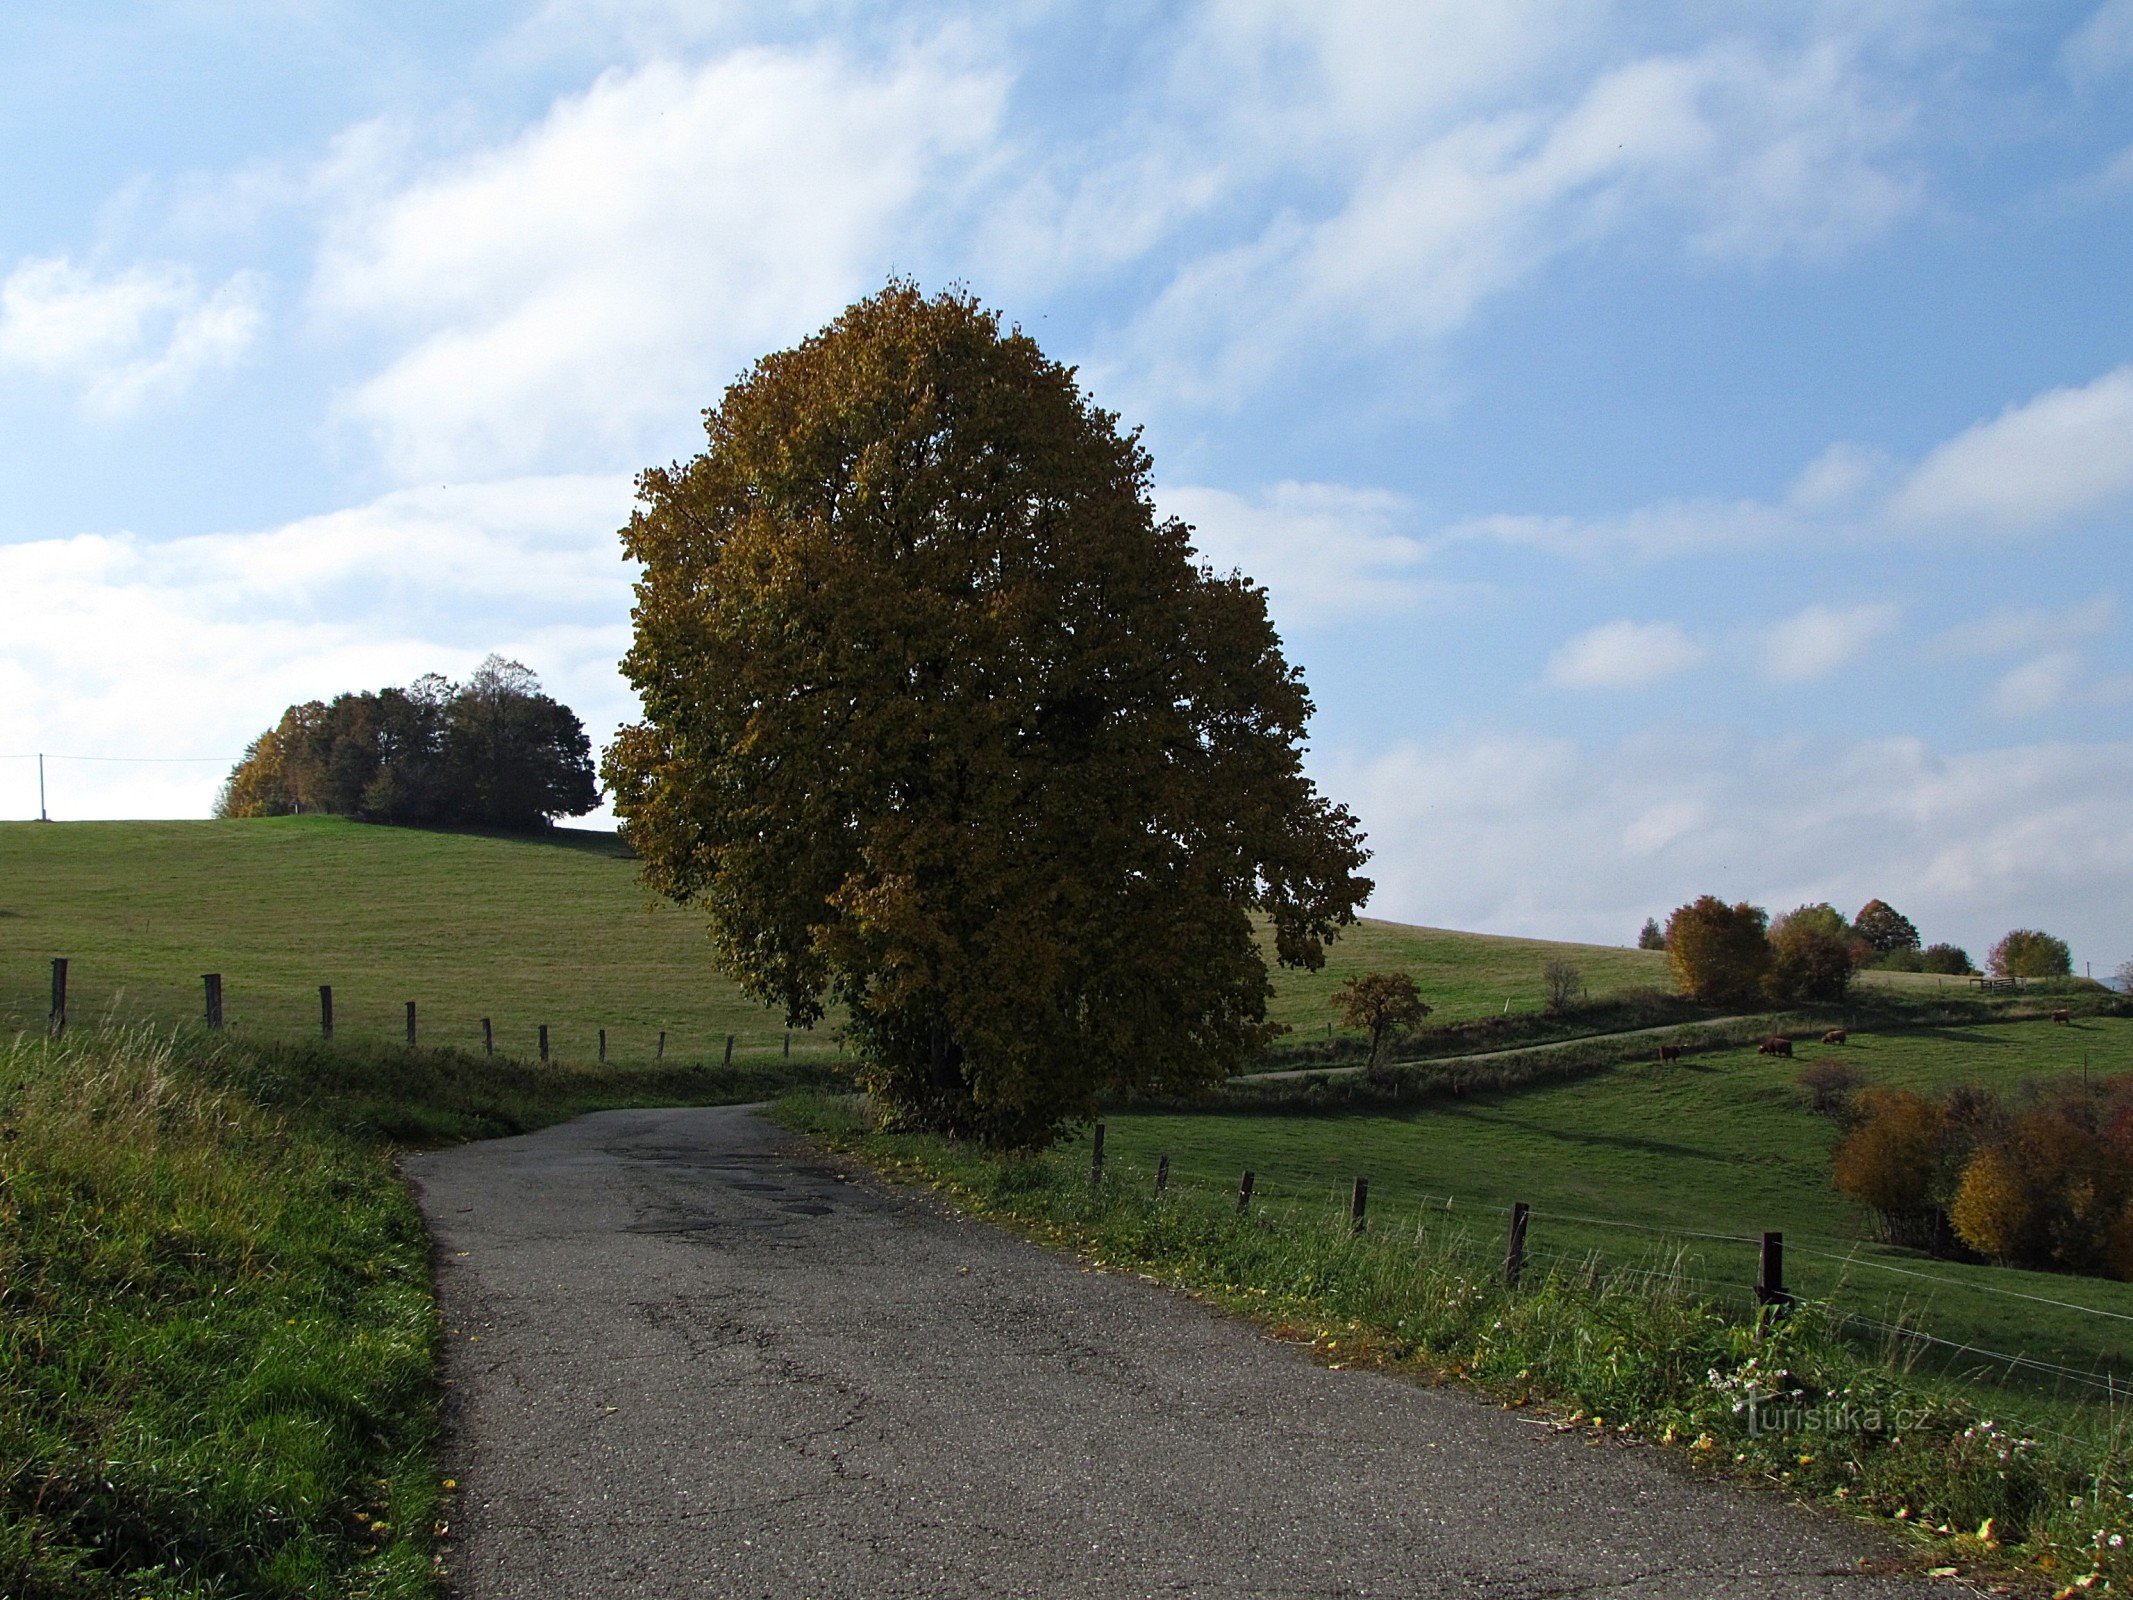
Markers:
{"x": 1622, "y": 1347}
{"x": 216, "y": 1323}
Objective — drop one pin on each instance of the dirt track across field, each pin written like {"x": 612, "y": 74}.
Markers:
{"x": 688, "y": 1359}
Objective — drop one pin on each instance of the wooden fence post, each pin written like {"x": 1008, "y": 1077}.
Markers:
{"x": 1096, "y": 1157}
{"x": 212, "y": 982}
{"x": 729, "y": 1049}
{"x": 411, "y": 1024}
{"x": 1244, "y": 1193}
{"x": 1514, "y": 1256}
{"x": 57, "y": 1024}
{"x": 603, "y": 1047}
{"x": 544, "y": 1041}
{"x": 1357, "y": 1204}
{"x": 488, "y": 1038}
{"x": 325, "y": 1011}
{"x": 662, "y": 1044}
{"x": 788, "y": 1044}
{"x": 1770, "y": 1275}
{"x": 1162, "y": 1176}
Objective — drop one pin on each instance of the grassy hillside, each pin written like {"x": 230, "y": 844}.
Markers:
{"x": 550, "y": 929}
{"x": 1655, "y": 1156}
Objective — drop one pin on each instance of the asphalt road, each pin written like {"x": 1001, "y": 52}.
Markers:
{"x": 687, "y": 1359}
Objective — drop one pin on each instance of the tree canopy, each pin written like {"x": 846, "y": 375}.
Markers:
{"x": 492, "y": 752}
{"x": 1719, "y": 952}
{"x": 943, "y": 724}
{"x": 2030, "y": 953}
{"x": 1381, "y": 1004}
{"x": 1884, "y": 929}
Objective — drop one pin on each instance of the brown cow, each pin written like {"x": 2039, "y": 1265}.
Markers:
{"x": 1776, "y": 1045}
{"x": 1670, "y": 1052}
{"x": 1834, "y": 1036}
{"x": 2066, "y": 1017}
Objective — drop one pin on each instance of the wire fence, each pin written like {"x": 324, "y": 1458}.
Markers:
{"x": 2099, "y": 1387}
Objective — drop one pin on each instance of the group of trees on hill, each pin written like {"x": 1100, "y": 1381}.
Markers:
{"x": 2046, "y": 1183}
{"x": 1731, "y": 954}
{"x": 491, "y": 752}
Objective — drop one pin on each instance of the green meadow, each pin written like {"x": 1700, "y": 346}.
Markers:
{"x": 1647, "y": 1162}
{"x": 525, "y": 930}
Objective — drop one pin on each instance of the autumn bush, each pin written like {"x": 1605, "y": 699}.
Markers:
{"x": 2045, "y": 1184}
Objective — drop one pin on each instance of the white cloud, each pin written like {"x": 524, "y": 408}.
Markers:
{"x": 1819, "y": 640}
{"x": 2065, "y": 454}
{"x": 1673, "y": 528}
{"x": 2031, "y": 628}
{"x": 1837, "y": 479}
{"x": 119, "y": 646}
{"x": 1623, "y": 655}
{"x": 2038, "y": 685}
{"x": 1737, "y": 152}
{"x": 2102, "y": 47}
{"x": 1545, "y": 837}
{"x": 571, "y": 293}
{"x": 1322, "y": 551}
{"x": 124, "y": 338}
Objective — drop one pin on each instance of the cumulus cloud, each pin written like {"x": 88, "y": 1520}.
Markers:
{"x": 128, "y": 337}
{"x": 1818, "y": 641}
{"x": 1322, "y": 551}
{"x": 1520, "y": 834}
{"x": 1738, "y": 152}
{"x": 1624, "y": 655}
{"x": 566, "y": 294}
{"x": 2067, "y": 453}
{"x": 126, "y": 647}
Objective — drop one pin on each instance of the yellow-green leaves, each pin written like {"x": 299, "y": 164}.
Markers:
{"x": 942, "y": 723}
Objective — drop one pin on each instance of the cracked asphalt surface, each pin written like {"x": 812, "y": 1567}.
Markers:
{"x": 688, "y": 1359}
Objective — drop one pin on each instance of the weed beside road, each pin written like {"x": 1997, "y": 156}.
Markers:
{"x": 1605, "y": 1349}
{"x": 216, "y": 1322}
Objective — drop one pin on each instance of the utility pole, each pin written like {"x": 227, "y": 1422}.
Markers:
{"x": 42, "y": 814}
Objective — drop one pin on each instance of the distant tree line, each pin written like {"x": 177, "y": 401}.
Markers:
{"x": 492, "y": 752}
{"x": 1730, "y": 954}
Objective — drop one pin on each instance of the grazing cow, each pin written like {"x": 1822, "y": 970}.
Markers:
{"x": 1776, "y": 1045}
{"x": 2066, "y": 1017}
{"x": 1834, "y": 1036}
{"x": 1670, "y": 1052}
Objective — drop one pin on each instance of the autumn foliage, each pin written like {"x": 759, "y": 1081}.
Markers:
{"x": 1381, "y": 1004}
{"x": 1719, "y": 953}
{"x": 943, "y": 723}
{"x": 2047, "y": 1183}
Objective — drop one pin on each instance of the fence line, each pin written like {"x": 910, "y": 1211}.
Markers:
{"x": 1982, "y": 1288}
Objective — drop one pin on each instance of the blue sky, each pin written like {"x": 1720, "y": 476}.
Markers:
{"x": 1688, "y": 448}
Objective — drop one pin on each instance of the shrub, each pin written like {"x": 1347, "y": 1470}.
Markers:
{"x": 1719, "y": 952}
{"x": 1994, "y": 1212}
{"x": 1564, "y": 984}
{"x": 1830, "y": 1081}
{"x": 2030, "y": 953}
{"x": 1889, "y": 1161}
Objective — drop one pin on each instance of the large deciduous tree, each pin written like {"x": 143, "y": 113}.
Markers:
{"x": 2030, "y": 953}
{"x": 944, "y": 724}
{"x": 1719, "y": 952}
{"x": 1884, "y": 929}
{"x": 1381, "y": 1004}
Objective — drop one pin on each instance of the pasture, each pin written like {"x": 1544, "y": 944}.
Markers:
{"x": 550, "y": 928}
{"x": 1646, "y": 1161}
